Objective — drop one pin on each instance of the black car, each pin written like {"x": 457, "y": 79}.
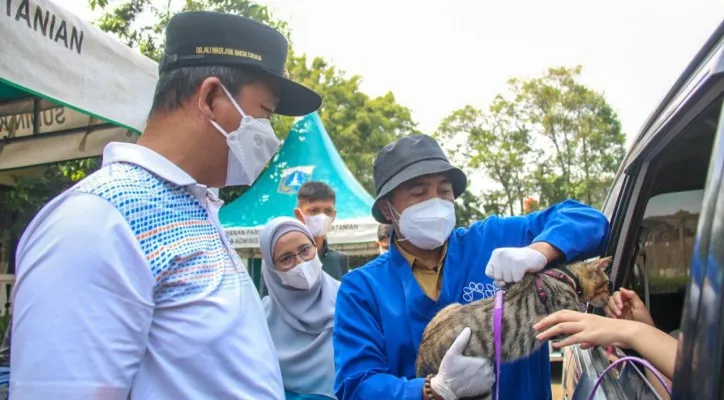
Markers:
{"x": 666, "y": 209}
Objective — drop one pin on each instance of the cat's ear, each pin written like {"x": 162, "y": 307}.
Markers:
{"x": 602, "y": 263}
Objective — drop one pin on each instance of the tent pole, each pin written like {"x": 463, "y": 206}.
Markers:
{"x": 36, "y": 116}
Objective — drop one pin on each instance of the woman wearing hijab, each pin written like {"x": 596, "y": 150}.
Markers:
{"x": 299, "y": 309}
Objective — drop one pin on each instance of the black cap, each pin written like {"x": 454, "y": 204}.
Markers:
{"x": 212, "y": 38}
{"x": 408, "y": 158}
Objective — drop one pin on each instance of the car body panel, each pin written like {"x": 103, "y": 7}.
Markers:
{"x": 703, "y": 317}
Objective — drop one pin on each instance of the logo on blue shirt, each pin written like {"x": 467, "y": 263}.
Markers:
{"x": 475, "y": 291}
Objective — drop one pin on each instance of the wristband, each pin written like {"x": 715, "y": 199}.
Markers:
{"x": 427, "y": 389}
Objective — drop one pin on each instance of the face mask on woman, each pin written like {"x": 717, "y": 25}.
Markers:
{"x": 302, "y": 276}
{"x": 427, "y": 225}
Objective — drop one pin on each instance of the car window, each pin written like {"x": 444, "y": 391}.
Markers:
{"x": 669, "y": 226}
{"x": 654, "y": 231}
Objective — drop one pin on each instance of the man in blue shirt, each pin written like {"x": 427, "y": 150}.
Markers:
{"x": 383, "y": 307}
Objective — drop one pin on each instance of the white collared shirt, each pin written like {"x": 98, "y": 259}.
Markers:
{"x": 127, "y": 286}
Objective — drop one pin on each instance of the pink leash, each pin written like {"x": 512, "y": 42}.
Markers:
{"x": 498, "y": 335}
{"x": 633, "y": 359}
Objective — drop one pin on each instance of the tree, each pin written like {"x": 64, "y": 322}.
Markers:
{"x": 496, "y": 143}
{"x": 34, "y": 191}
{"x": 579, "y": 132}
{"x": 21, "y": 203}
{"x": 358, "y": 125}
{"x": 468, "y": 209}
{"x": 549, "y": 137}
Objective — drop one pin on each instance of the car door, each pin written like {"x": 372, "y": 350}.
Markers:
{"x": 700, "y": 355}
{"x": 691, "y": 111}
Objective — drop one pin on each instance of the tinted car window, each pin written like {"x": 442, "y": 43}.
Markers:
{"x": 670, "y": 227}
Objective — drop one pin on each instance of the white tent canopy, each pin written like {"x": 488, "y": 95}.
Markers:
{"x": 66, "y": 87}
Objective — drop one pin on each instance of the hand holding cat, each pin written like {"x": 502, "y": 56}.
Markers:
{"x": 626, "y": 304}
{"x": 460, "y": 376}
{"x": 589, "y": 330}
{"x": 510, "y": 264}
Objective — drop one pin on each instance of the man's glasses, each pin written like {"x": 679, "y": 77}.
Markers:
{"x": 288, "y": 260}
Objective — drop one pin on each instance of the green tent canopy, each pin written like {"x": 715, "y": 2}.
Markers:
{"x": 307, "y": 154}
{"x": 66, "y": 88}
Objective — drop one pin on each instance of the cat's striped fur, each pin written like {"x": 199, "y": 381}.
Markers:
{"x": 522, "y": 309}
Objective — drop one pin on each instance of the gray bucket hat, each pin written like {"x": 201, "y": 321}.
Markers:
{"x": 408, "y": 158}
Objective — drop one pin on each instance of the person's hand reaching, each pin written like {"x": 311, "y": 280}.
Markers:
{"x": 626, "y": 304}
{"x": 588, "y": 330}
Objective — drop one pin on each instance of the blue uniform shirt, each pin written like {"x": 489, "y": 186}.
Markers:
{"x": 381, "y": 311}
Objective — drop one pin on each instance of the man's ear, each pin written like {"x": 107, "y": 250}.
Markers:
{"x": 208, "y": 93}
{"x": 298, "y": 214}
{"x": 385, "y": 209}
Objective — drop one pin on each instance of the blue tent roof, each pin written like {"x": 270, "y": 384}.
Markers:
{"x": 307, "y": 154}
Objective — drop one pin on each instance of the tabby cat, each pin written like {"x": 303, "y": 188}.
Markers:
{"x": 526, "y": 303}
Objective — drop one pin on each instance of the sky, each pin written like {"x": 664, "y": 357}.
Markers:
{"x": 436, "y": 58}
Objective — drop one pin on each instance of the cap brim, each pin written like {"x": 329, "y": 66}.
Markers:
{"x": 427, "y": 167}
{"x": 295, "y": 100}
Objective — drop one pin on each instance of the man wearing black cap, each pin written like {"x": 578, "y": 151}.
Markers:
{"x": 126, "y": 284}
{"x": 383, "y": 307}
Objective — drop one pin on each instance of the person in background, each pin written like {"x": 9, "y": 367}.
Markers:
{"x": 384, "y": 233}
{"x": 384, "y": 306}
{"x": 126, "y": 284}
{"x": 316, "y": 208}
{"x": 299, "y": 309}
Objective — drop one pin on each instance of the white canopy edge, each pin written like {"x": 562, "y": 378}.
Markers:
{"x": 50, "y": 52}
{"x": 346, "y": 231}
{"x": 46, "y": 149}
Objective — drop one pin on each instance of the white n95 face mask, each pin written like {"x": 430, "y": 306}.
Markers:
{"x": 318, "y": 224}
{"x": 302, "y": 276}
{"x": 251, "y": 146}
{"x": 427, "y": 225}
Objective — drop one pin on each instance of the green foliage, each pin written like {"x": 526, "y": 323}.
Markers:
{"x": 550, "y": 137}
{"x": 468, "y": 209}
{"x": 580, "y": 133}
{"x": 497, "y": 142}
{"x": 358, "y": 124}
{"x": 33, "y": 191}
{"x": 5, "y": 319}
{"x": 122, "y": 20}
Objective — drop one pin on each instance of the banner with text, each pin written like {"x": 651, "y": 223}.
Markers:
{"x": 48, "y": 51}
{"x": 358, "y": 230}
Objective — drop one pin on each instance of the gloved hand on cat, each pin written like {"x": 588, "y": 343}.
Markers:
{"x": 510, "y": 264}
{"x": 460, "y": 376}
